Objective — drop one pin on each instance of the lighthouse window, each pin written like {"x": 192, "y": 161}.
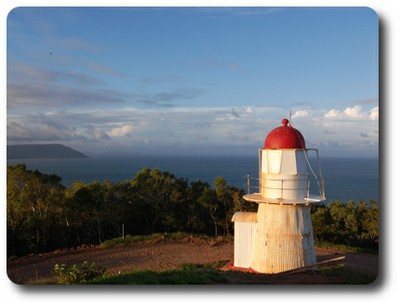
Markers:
{"x": 264, "y": 162}
{"x": 274, "y": 161}
{"x": 288, "y": 162}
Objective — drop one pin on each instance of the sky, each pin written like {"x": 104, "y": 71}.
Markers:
{"x": 193, "y": 80}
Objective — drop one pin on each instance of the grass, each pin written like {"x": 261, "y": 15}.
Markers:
{"x": 157, "y": 237}
{"x": 188, "y": 274}
{"x": 131, "y": 239}
{"x": 345, "y": 276}
{"x": 343, "y": 247}
{"x": 196, "y": 274}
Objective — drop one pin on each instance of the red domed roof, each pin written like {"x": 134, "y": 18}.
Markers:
{"x": 284, "y": 137}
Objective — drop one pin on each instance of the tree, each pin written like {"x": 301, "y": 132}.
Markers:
{"x": 92, "y": 211}
{"x": 208, "y": 200}
{"x": 322, "y": 223}
{"x": 179, "y": 208}
{"x": 355, "y": 224}
{"x": 43, "y": 215}
{"x": 370, "y": 224}
{"x": 225, "y": 196}
{"x": 153, "y": 189}
{"x": 197, "y": 220}
{"x": 34, "y": 210}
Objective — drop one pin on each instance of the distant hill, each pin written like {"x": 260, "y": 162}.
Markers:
{"x": 35, "y": 151}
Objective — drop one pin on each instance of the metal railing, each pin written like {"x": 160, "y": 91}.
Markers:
{"x": 317, "y": 185}
{"x": 250, "y": 186}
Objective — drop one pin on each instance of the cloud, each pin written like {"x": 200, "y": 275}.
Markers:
{"x": 57, "y": 96}
{"x": 367, "y": 101}
{"x": 164, "y": 99}
{"x": 333, "y": 113}
{"x": 17, "y": 132}
{"x": 232, "y": 115}
{"x": 39, "y": 128}
{"x": 299, "y": 114}
{"x": 125, "y": 130}
{"x": 337, "y": 131}
{"x": 19, "y": 72}
{"x": 374, "y": 113}
{"x": 353, "y": 113}
{"x": 178, "y": 94}
{"x": 30, "y": 86}
{"x": 106, "y": 70}
{"x": 96, "y": 133}
{"x": 181, "y": 128}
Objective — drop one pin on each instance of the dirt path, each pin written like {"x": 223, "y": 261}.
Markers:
{"x": 167, "y": 254}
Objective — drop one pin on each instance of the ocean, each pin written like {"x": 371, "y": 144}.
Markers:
{"x": 345, "y": 178}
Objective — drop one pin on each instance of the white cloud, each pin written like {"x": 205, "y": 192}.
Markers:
{"x": 125, "y": 130}
{"x": 227, "y": 117}
{"x": 374, "y": 113}
{"x": 300, "y": 113}
{"x": 332, "y": 114}
{"x": 353, "y": 113}
{"x": 249, "y": 110}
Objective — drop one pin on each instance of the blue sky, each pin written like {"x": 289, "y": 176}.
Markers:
{"x": 192, "y": 80}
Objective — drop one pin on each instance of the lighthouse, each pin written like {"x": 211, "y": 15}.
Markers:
{"x": 281, "y": 231}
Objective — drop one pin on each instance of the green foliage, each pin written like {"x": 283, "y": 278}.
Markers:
{"x": 43, "y": 215}
{"x": 34, "y": 210}
{"x": 72, "y": 275}
{"x": 351, "y": 224}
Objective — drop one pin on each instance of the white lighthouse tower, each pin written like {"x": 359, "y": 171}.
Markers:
{"x": 282, "y": 235}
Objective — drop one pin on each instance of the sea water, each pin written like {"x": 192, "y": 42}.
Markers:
{"x": 345, "y": 178}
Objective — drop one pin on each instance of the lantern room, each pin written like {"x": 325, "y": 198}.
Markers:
{"x": 284, "y": 166}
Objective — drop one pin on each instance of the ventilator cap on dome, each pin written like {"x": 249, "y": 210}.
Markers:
{"x": 284, "y": 137}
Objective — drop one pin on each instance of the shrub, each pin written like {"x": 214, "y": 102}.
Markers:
{"x": 73, "y": 275}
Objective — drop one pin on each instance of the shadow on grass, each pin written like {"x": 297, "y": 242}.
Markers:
{"x": 192, "y": 274}
{"x": 188, "y": 274}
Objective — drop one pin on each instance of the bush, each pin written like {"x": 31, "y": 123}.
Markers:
{"x": 73, "y": 275}
{"x": 352, "y": 224}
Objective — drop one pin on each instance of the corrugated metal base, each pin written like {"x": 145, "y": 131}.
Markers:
{"x": 283, "y": 239}
{"x": 243, "y": 243}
